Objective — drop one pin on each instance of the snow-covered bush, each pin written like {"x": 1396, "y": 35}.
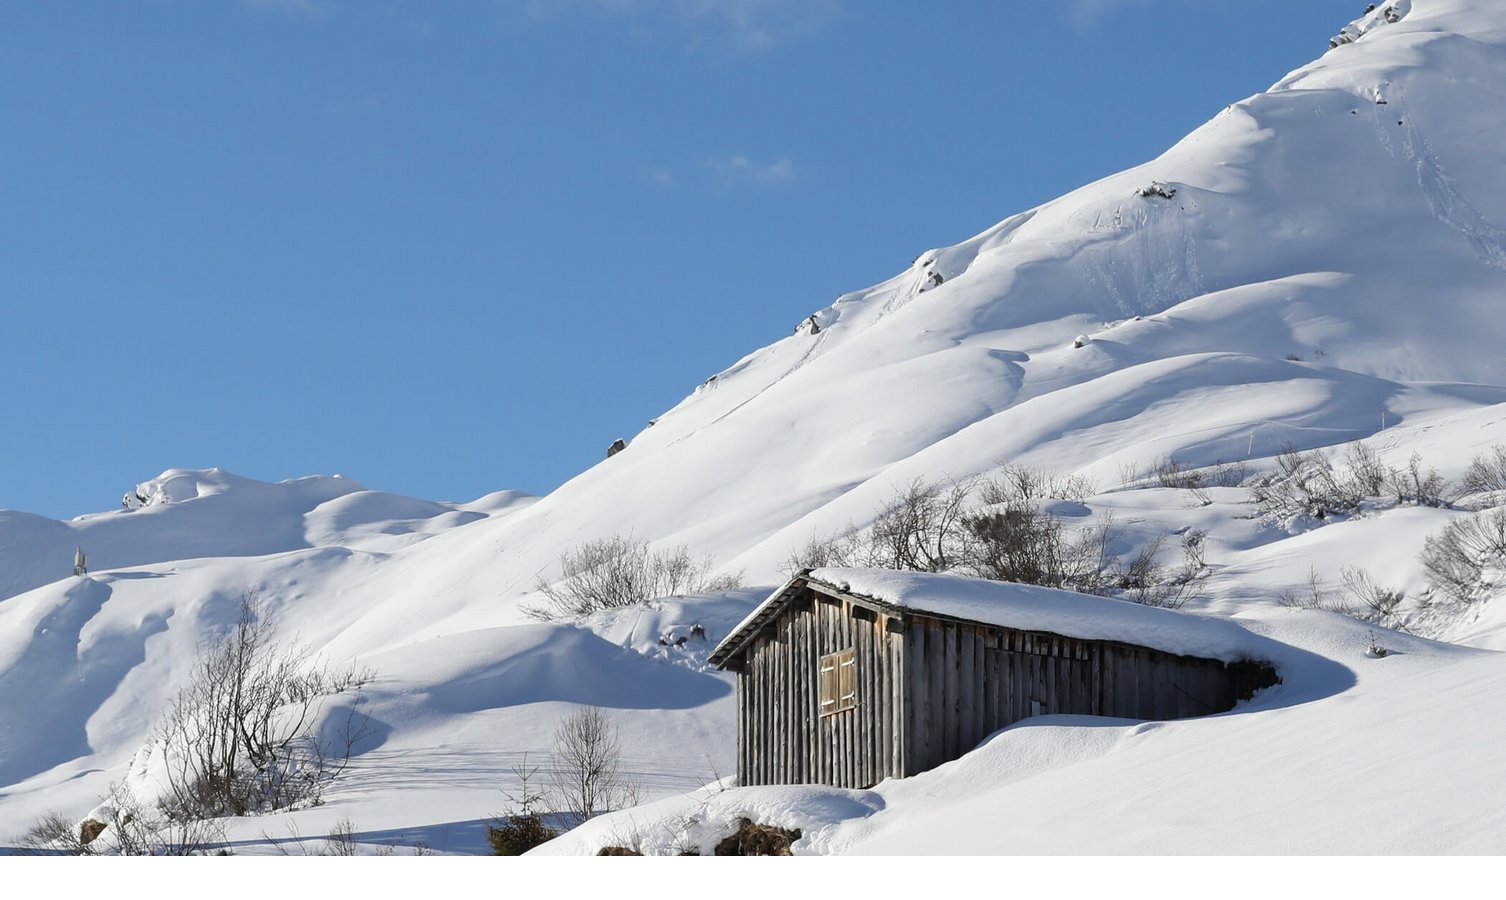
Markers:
{"x": 1486, "y": 473}
{"x": 616, "y": 572}
{"x": 123, "y": 825}
{"x": 1465, "y": 559}
{"x": 1308, "y": 485}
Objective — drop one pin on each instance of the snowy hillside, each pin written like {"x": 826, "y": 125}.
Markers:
{"x": 1319, "y": 264}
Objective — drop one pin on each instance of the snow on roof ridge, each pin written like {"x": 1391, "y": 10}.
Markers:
{"x": 1028, "y": 608}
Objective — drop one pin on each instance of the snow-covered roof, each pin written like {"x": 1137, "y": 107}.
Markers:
{"x": 1019, "y": 606}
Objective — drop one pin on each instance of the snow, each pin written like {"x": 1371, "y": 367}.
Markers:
{"x": 1330, "y": 268}
{"x": 1066, "y": 613}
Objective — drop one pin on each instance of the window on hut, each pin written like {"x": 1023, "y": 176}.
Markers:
{"x": 839, "y": 683}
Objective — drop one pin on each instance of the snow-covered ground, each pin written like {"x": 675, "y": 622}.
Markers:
{"x": 1321, "y": 263}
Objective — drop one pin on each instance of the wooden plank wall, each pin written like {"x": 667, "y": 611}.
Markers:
{"x": 782, "y": 737}
{"x": 931, "y": 690}
{"x": 966, "y": 681}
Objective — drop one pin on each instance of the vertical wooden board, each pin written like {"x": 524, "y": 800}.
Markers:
{"x": 1165, "y": 674}
{"x": 875, "y": 705}
{"x": 1090, "y": 681}
{"x": 781, "y": 725}
{"x": 887, "y": 733}
{"x": 828, "y": 634}
{"x": 913, "y": 682}
{"x": 965, "y": 691}
{"x": 1110, "y": 668}
{"x": 793, "y": 716}
{"x": 784, "y": 700}
{"x": 877, "y": 749}
{"x": 904, "y": 694}
{"x": 860, "y": 714}
{"x": 884, "y": 733}
{"x": 830, "y": 721}
{"x": 1095, "y": 684}
{"x": 1121, "y": 686}
{"x": 844, "y": 720}
{"x": 1014, "y": 682}
{"x": 1086, "y": 672}
{"x": 808, "y": 703}
{"x": 874, "y": 680}
{"x": 982, "y": 712}
{"x": 797, "y": 698}
{"x": 1145, "y": 677}
{"x": 990, "y": 714}
{"x": 1070, "y": 669}
{"x": 755, "y": 668}
{"x": 766, "y": 713}
{"x": 1038, "y": 680}
{"x": 751, "y": 662}
{"x": 1052, "y": 672}
{"x": 964, "y": 723}
{"x": 776, "y": 708}
{"x": 920, "y": 694}
{"x": 1030, "y": 669}
{"x": 949, "y": 692}
{"x": 893, "y": 696}
{"x": 1024, "y": 682}
{"x": 880, "y": 700}
{"x": 742, "y": 734}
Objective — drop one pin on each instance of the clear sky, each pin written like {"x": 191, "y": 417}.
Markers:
{"x": 451, "y": 248}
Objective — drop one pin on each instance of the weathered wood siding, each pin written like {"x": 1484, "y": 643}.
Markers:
{"x": 782, "y": 736}
{"x": 966, "y": 681}
{"x": 930, "y": 689}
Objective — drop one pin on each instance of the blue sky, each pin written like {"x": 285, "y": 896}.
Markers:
{"x": 450, "y": 248}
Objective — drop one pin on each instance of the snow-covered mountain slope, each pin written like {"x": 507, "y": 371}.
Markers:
{"x": 1320, "y": 263}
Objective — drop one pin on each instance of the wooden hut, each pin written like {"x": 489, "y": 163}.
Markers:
{"x": 849, "y": 676}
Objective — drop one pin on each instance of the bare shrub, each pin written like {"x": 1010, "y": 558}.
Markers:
{"x": 1304, "y": 484}
{"x": 1312, "y": 596}
{"x": 54, "y": 834}
{"x": 1417, "y": 485}
{"x": 617, "y": 572}
{"x": 1147, "y": 581}
{"x": 1307, "y": 484}
{"x": 1169, "y": 473}
{"x": 242, "y": 736}
{"x": 1014, "y": 484}
{"x": 585, "y": 771}
{"x": 1457, "y": 560}
{"x": 341, "y": 840}
{"x": 1366, "y": 470}
{"x": 1367, "y": 599}
{"x": 1025, "y": 544}
{"x": 840, "y": 550}
{"x": 1486, "y": 473}
{"x": 922, "y": 529}
{"x": 1013, "y": 537}
{"x": 131, "y": 828}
